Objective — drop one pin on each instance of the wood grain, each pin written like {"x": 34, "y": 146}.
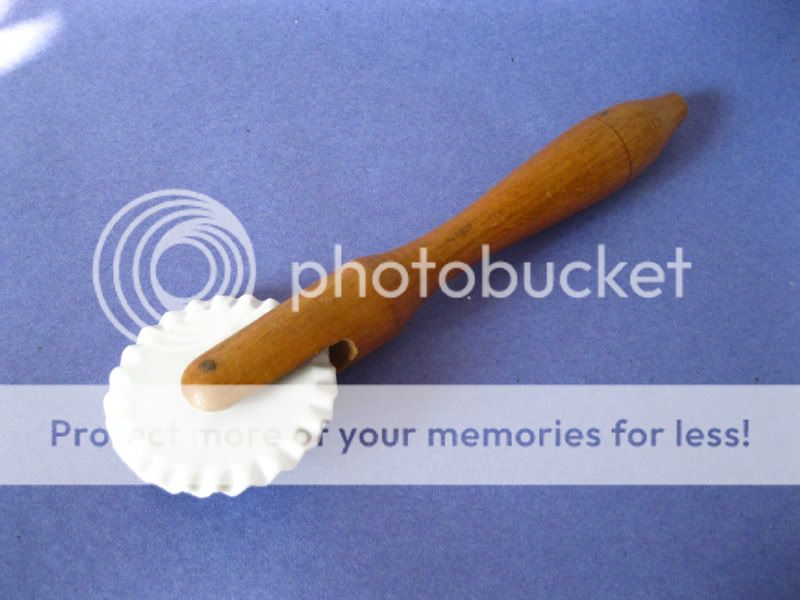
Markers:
{"x": 585, "y": 164}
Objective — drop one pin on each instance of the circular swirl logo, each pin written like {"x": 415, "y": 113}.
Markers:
{"x": 126, "y": 258}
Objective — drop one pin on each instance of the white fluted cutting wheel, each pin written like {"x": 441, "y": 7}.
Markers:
{"x": 169, "y": 443}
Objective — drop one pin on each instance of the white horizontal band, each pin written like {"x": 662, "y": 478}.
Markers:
{"x": 484, "y": 435}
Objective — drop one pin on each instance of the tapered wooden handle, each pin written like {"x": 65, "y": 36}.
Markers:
{"x": 580, "y": 167}
{"x": 353, "y": 317}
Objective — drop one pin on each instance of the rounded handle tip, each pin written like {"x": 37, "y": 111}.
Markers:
{"x": 672, "y": 107}
{"x": 645, "y": 126}
{"x": 200, "y": 390}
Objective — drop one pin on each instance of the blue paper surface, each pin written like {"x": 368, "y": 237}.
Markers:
{"x": 366, "y": 125}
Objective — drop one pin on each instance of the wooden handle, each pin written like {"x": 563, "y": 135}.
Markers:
{"x": 582, "y": 166}
{"x": 352, "y": 317}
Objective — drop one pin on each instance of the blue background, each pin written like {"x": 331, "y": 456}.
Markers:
{"x": 366, "y": 125}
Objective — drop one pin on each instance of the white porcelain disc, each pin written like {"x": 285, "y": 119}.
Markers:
{"x": 169, "y": 443}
